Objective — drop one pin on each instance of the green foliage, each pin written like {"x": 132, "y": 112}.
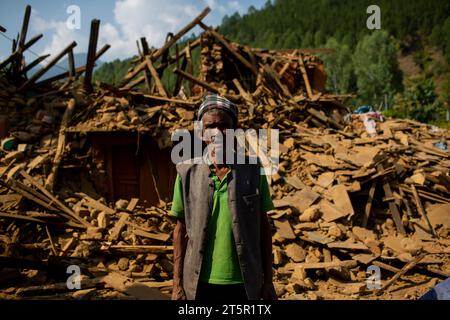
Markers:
{"x": 339, "y": 68}
{"x": 419, "y": 102}
{"x": 364, "y": 61}
{"x": 376, "y": 68}
{"x": 335, "y": 18}
{"x": 112, "y": 72}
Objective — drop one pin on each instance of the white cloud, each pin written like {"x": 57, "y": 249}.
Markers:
{"x": 133, "y": 19}
{"x": 143, "y": 18}
{"x": 235, "y": 5}
{"x": 61, "y": 35}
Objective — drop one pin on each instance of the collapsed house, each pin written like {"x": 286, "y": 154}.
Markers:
{"x": 87, "y": 178}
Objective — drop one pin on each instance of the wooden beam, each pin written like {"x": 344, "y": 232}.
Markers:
{"x": 190, "y": 77}
{"x": 247, "y": 97}
{"x": 175, "y": 58}
{"x": 23, "y": 33}
{"x": 145, "y": 52}
{"x": 167, "y": 45}
{"x": 190, "y": 65}
{"x": 118, "y": 227}
{"x": 421, "y": 210}
{"x": 53, "y": 199}
{"x": 93, "y": 39}
{"x": 136, "y": 249}
{"x": 305, "y": 76}
{"x": 78, "y": 71}
{"x": 369, "y": 204}
{"x": 227, "y": 45}
{"x": 34, "y": 63}
{"x": 41, "y": 72}
{"x": 71, "y": 64}
{"x": 20, "y": 217}
{"x": 332, "y": 264}
{"x": 50, "y": 181}
{"x": 16, "y": 53}
{"x": 155, "y": 76}
{"x": 171, "y": 100}
{"x": 181, "y": 33}
{"x": 401, "y": 272}
{"x": 32, "y": 41}
{"x": 8, "y": 60}
{"x": 392, "y": 205}
{"x": 18, "y": 61}
{"x": 179, "y": 80}
{"x": 134, "y": 83}
{"x": 30, "y": 194}
{"x": 276, "y": 78}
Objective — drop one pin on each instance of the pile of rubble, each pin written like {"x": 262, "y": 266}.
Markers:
{"x": 346, "y": 197}
{"x": 345, "y": 201}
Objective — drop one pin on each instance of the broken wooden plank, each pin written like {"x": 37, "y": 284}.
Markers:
{"x": 392, "y": 205}
{"x": 421, "y": 210}
{"x": 53, "y": 199}
{"x": 368, "y": 207}
{"x": 146, "y": 52}
{"x": 330, "y": 212}
{"x": 71, "y": 64}
{"x": 305, "y": 76}
{"x": 78, "y": 71}
{"x": 118, "y": 227}
{"x": 342, "y": 200}
{"x": 57, "y": 287}
{"x": 92, "y": 49}
{"x": 94, "y": 204}
{"x": 136, "y": 249}
{"x": 401, "y": 272}
{"x": 51, "y": 63}
{"x": 167, "y": 45}
{"x": 284, "y": 229}
{"x": 163, "y": 237}
{"x": 201, "y": 83}
{"x": 133, "y": 203}
{"x": 50, "y": 181}
{"x": 333, "y": 264}
{"x": 137, "y": 290}
{"x": 347, "y": 245}
{"x": 227, "y": 45}
{"x": 34, "y": 63}
{"x": 156, "y": 78}
{"x": 314, "y": 236}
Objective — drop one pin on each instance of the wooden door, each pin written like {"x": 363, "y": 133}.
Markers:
{"x": 125, "y": 167}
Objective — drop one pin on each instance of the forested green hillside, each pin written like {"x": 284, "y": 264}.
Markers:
{"x": 402, "y": 68}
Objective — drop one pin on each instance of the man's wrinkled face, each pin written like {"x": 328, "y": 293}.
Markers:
{"x": 214, "y": 128}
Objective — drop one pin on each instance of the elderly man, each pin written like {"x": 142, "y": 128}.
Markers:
{"x": 222, "y": 240}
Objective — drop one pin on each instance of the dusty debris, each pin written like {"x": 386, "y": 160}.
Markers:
{"x": 346, "y": 197}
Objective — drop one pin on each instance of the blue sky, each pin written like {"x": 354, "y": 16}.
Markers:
{"x": 122, "y": 22}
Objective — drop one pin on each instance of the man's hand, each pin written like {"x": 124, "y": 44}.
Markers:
{"x": 268, "y": 291}
{"x": 178, "y": 292}
{"x": 180, "y": 240}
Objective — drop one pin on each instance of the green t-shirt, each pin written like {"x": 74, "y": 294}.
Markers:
{"x": 220, "y": 261}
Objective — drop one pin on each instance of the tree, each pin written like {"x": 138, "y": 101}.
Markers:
{"x": 339, "y": 68}
{"x": 307, "y": 40}
{"x": 376, "y": 68}
{"x": 319, "y": 38}
{"x": 419, "y": 101}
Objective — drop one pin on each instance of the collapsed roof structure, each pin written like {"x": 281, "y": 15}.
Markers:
{"x": 86, "y": 174}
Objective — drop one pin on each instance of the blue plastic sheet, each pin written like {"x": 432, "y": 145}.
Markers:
{"x": 363, "y": 109}
{"x": 439, "y": 292}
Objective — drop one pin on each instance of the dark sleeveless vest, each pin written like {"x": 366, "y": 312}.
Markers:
{"x": 244, "y": 204}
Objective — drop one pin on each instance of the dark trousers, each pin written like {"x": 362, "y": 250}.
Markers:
{"x": 220, "y": 292}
